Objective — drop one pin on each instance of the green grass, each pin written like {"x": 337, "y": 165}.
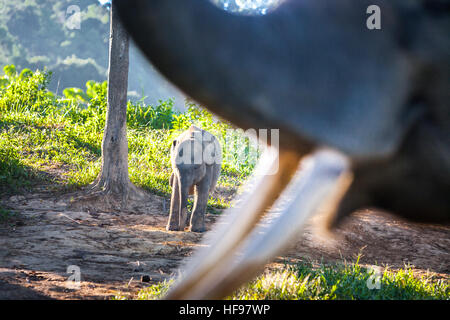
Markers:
{"x": 342, "y": 281}
{"x": 46, "y": 138}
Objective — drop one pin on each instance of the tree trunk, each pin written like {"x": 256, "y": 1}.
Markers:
{"x": 114, "y": 172}
{"x": 113, "y": 189}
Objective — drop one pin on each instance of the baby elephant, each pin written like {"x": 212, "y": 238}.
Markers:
{"x": 196, "y": 158}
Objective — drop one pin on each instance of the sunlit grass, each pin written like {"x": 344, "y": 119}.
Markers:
{"x": 341, "y": 281}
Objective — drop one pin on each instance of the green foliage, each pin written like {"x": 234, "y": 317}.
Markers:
{"x": 35, "y": 34}
{"x": 95, "y": 93}
{"x": 75, "y": 55}
{"x": 76, "y": 94}
{"x": 342, "y": 281}
{"x": 10, "y": 70}
{"x": 196, "y": 116}
{"x": 24, "y": 91}
{"x": 156, "y": 117}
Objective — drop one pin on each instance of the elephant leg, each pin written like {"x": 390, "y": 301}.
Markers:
{"x": 183, "y": 214}
{"x": 200, "y": 201}
{"x": 184, "y": 199}
{"x": 174, "y": 223}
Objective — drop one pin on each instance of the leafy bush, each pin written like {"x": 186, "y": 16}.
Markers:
{"x": 155, "y": 117}
{"x": 26, "y": 91}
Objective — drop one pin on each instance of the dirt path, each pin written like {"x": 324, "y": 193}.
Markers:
{"x": 115, "y": 250}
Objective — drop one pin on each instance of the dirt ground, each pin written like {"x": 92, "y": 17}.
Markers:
{"x": 116, "y": 251}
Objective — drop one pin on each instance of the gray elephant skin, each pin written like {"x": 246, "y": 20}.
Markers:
{"x": 196, "y": 158}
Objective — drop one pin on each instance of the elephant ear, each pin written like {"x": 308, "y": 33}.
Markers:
{"x": 310, "y": 68}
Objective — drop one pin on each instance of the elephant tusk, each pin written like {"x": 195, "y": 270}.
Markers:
{"x": 225, "y": 238}
{"x": 238, "y": 249}
{"x": 324, "y": 180}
